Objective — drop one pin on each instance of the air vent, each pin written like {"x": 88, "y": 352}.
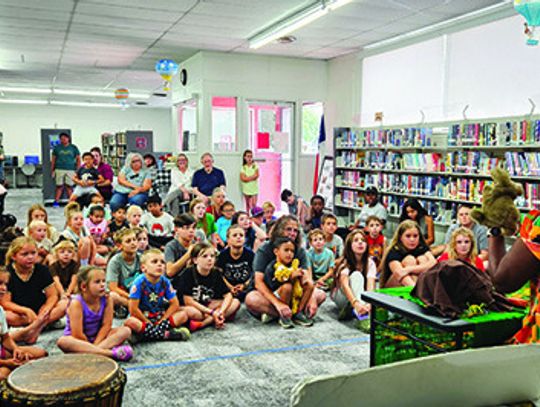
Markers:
{"x": 141, "y": 103}
{"x": 159, "y": 94}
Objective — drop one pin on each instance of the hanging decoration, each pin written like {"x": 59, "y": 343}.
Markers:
{"x": 167, "y": 68}
{"x": 530, "y": 9}
{"x": 122, "y": 95}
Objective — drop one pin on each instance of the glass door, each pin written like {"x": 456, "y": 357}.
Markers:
{"x": 271, "y": 126}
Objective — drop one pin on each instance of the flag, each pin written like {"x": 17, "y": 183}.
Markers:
{"x": 320, "y": 152}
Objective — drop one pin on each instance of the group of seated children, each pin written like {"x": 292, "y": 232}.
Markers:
{"x": 173, "y": 276}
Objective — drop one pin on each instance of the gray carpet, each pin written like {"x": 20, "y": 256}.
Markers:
{"x": 246, "y": 364}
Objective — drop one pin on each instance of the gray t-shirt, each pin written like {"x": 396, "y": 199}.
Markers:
{"x": 377, "y": 210}
{"x": 173, "y": 251}
{"x": 135, "y": 178}
{"x": 335, "y": 245}
{"x": 118, "y": 271}
{"x": 162, "y": 226}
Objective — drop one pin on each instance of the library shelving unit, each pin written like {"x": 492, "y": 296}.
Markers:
{"x": 440, "y": 164}
{"x": 113, "y": 147}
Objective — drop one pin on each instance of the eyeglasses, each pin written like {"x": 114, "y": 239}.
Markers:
{"x": 136, "y": 161}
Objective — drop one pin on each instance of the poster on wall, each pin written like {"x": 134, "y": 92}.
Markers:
{"x": 325, "y": 188}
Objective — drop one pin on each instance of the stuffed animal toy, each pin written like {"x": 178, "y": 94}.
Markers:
{"x": 498, "y": 208}
{"x": 282, "y": 273}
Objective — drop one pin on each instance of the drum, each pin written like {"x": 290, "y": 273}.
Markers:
{"x": 65, "y": 380}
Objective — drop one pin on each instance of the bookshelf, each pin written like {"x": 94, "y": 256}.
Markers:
{"x": 440, "y": 164}
{"x": 114, "y": 149}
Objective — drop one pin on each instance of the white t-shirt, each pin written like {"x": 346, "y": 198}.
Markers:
{"x": 180, "y": 178}
{"x": 3, "y": 322}
{"x": 371, "y": 269}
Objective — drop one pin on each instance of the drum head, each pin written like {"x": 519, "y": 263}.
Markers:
{"x": 62, "y": 374}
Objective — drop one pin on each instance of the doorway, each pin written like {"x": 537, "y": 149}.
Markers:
{"x": 271, "y": 127}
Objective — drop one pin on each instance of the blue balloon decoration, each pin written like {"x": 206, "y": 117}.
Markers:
{"x": 166, "y": 67}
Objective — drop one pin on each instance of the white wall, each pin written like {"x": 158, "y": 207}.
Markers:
{"x": 250, "y": 77}
{"x": 21, "y": 125}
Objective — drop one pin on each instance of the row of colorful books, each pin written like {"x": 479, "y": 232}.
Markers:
{"x": 463, "y": 162}
{"x": 403, "y": 137}
{"x": 521, "y": 132}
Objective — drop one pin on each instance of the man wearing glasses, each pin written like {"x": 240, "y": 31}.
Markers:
{"x": 206, "y": 179}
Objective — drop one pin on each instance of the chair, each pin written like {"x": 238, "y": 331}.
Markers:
{"x": 28, "y": 170}
{"x": 472, "y": 377}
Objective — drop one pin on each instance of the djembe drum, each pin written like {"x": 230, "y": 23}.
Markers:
{"x": 65, "y": 380}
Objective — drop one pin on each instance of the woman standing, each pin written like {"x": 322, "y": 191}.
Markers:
{"x": 249, "y": 174}
{"x": 134, "y": 182}
{"x": 105, "y": 170}
{"x": 180, "y": 190}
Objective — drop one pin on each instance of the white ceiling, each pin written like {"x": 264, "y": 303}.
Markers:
{"x": 107, "y": 44}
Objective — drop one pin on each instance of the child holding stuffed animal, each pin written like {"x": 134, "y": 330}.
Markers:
{"x": 289, "y": 283}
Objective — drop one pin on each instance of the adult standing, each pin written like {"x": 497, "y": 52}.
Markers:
{"x": 206, "y": 179}
{"x": 66, "y": 159}
{"x": 105, "y": 170}
{"x": 134, "y": 182}
{"x": 262, "y": 300}
{"x": 180, "y": 190}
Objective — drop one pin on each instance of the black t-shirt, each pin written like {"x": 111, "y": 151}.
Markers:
{"x": 250, "y": 238}
{"x": 64, "y": 273}
{"x": 88, "y": 174}
{"x": 30, "y": 293}
{"x": 203, "y": 289}
{"x": 113, "y": 227}
{"x": 397, "y": 255}
{"x": 236, "y": 271}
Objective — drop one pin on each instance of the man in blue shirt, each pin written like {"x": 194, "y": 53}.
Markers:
{"x": 206, "y": 179}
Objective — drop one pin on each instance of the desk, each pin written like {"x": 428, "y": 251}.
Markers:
{"x": 401, "y": 329}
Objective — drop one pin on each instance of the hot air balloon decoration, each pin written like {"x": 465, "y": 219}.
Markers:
{"x": 122, "y": 95}
{"x": 530, "y": 9}
{"x": 167, "y": 68}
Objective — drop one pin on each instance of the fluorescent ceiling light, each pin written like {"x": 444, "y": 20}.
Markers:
{"x": 25, "y": 90}
{"x": 83, "y": 104}
{"x": 443, "y": 24}
{"x": 24, "y": 101}
{"x": 73, "y": 92}
{"x": 294, "y": 22}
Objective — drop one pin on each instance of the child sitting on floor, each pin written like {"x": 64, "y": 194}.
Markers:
{"x": 37, "y": 230}
{"x": 32, "y": 294}
{"x": 462, "y": 246}
{"x": 153, "y": 305}
{"x": 203, "y": 288}
{"x": 89, "y": 320}
{"x": 122, "y": 269}
{"x": 65, "y": 268}
{"x": 333, "y": 241}
{"x": 38, "y": 212}
{"x": 133, "y": 215}
{"x": 119, "y": 220}
{"x": 236, "y": 262}
{"x": 142, "y": 240}
{"x": 97, "y": 226}
{"x": 224, "y": 222}
{"x": 78, "y": 234}
{"x": 157, "y": 223}
{"x": 321, "y": 258}
{"x": 12, "y": 355}
{"x": 178, "y": 251}
{"x": 292, "y": 285}
{"x": 97, "y": 199}
{"x": 375, "y": 239}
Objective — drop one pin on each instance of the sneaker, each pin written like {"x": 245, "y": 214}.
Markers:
{"x": 58, "y": 324}
{"x": 121, "y": 312}
{"x": 56, "y": 204}
{"x": 300, "y": 318}
{"x": 122, "y": 353}
{"x": 267, "y": 318}
{"x": 179, "y": 334}
{"x": 286, "y": 323}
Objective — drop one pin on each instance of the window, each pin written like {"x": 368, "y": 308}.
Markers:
{"x": 311, "y": 122}
{"x": 224, "y": 124}
{"x": 187, "y": 125}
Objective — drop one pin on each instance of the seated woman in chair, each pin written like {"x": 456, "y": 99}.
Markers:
{"x": 134, "y": 182}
